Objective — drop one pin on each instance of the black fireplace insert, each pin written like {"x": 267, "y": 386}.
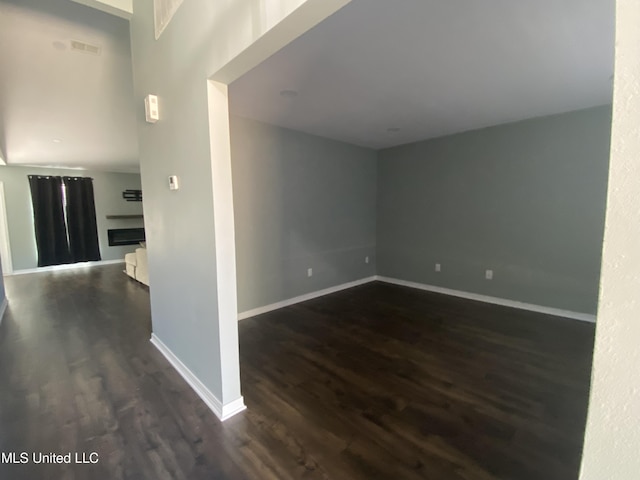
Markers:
{"x": 125, "y": 236}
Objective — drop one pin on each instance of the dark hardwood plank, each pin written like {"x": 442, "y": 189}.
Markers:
{"x": 378, "y": 381}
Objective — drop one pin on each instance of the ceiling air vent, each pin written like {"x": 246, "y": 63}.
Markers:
{"x": 85, "y": 47}
{"x": 163, "y": 11}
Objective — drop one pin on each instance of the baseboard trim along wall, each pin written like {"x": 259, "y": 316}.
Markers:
{"x": 3, "y": 308}
{"x": 556, "y": 312}
{"x": 66, "y": 266}
{"x": 585, "y": 317}
{"x": 303, "y": 298}
{"x": 223, "y": 412}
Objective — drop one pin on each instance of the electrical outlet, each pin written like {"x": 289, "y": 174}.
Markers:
{"x": 488, "y": 274}
{"x": 366, "y": 259}
{"x": 438, "y": 267}
{"x": 309, "y": 272}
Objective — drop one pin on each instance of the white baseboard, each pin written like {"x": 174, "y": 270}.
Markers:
{"x": 231, "y": 408}
{"x": 3, "y": 308}
{"x": 585, "y": 317}
{"x": 303, "y": 298}
{"x": 66, "y": 266}
{"x": 223, "y": 412}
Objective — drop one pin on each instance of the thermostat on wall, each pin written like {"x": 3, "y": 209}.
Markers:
{"x": 151, "y": 108}
{"x": 173, "y": 182}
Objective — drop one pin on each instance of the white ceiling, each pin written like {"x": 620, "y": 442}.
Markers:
{"x": 60, "y": 107}
{"x": 427, "y": 67}
{"x": 434, "y": 67}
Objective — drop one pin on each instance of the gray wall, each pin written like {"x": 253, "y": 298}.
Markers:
{"x": 179, "y": 224}
{"x": 300, "y": 202}
{"x": 202, "y": 37}
{"x": 525, "y": 199}
{"x": 108, "y": 188}
{"x": 2, "y": 292}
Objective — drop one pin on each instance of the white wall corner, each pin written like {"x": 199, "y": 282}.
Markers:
{"x": 222, "y": 411}
{"x": 225, "y": 242}
{"x": 119, "y": 8}
{"x": 612, "y": 432}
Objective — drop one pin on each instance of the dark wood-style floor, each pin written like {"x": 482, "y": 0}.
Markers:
{"x": 378, "y": 381}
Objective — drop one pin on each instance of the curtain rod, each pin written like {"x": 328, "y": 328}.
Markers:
{"x": 57, "y": 176}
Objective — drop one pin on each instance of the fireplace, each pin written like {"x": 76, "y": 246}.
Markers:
{"x": 125, "y": 236}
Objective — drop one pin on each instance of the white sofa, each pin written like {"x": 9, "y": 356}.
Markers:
{"x": 136, "y": 265}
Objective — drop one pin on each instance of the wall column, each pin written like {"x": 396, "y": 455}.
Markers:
{"x": 612, "y": 437}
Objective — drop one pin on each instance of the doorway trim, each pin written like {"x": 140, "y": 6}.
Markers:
{"x": 301, "y": 20}
{"x": 5, "y": 243}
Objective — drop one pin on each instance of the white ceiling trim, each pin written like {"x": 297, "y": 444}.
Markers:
{"x": 119, "y": 8}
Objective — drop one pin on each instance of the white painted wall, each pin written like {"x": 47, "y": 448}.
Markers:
{"x": 612, "y": 440}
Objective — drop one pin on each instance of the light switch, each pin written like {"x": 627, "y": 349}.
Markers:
{"x": 151, "y": 108}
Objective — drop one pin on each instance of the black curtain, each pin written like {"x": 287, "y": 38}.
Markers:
{"x": 48, "y": 218}
{"x": 81, "y": 219}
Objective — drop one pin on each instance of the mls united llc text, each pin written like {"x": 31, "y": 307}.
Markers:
{"x": 39, "y": 457}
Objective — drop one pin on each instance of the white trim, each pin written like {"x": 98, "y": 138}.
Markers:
{"x": 225, "y": 241}
{"x": 223, "y": 412}
{"x": 585, "y": 317}
{"x": 119, "y": 8}
{"x": 303, "y": 298}
{"x": 280, "y": 29}
{"x": 232, "y": 408}
{"x": 3, "y": 308}
{"x": 67, "y": 266}
{"x": 5, "y": 243}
